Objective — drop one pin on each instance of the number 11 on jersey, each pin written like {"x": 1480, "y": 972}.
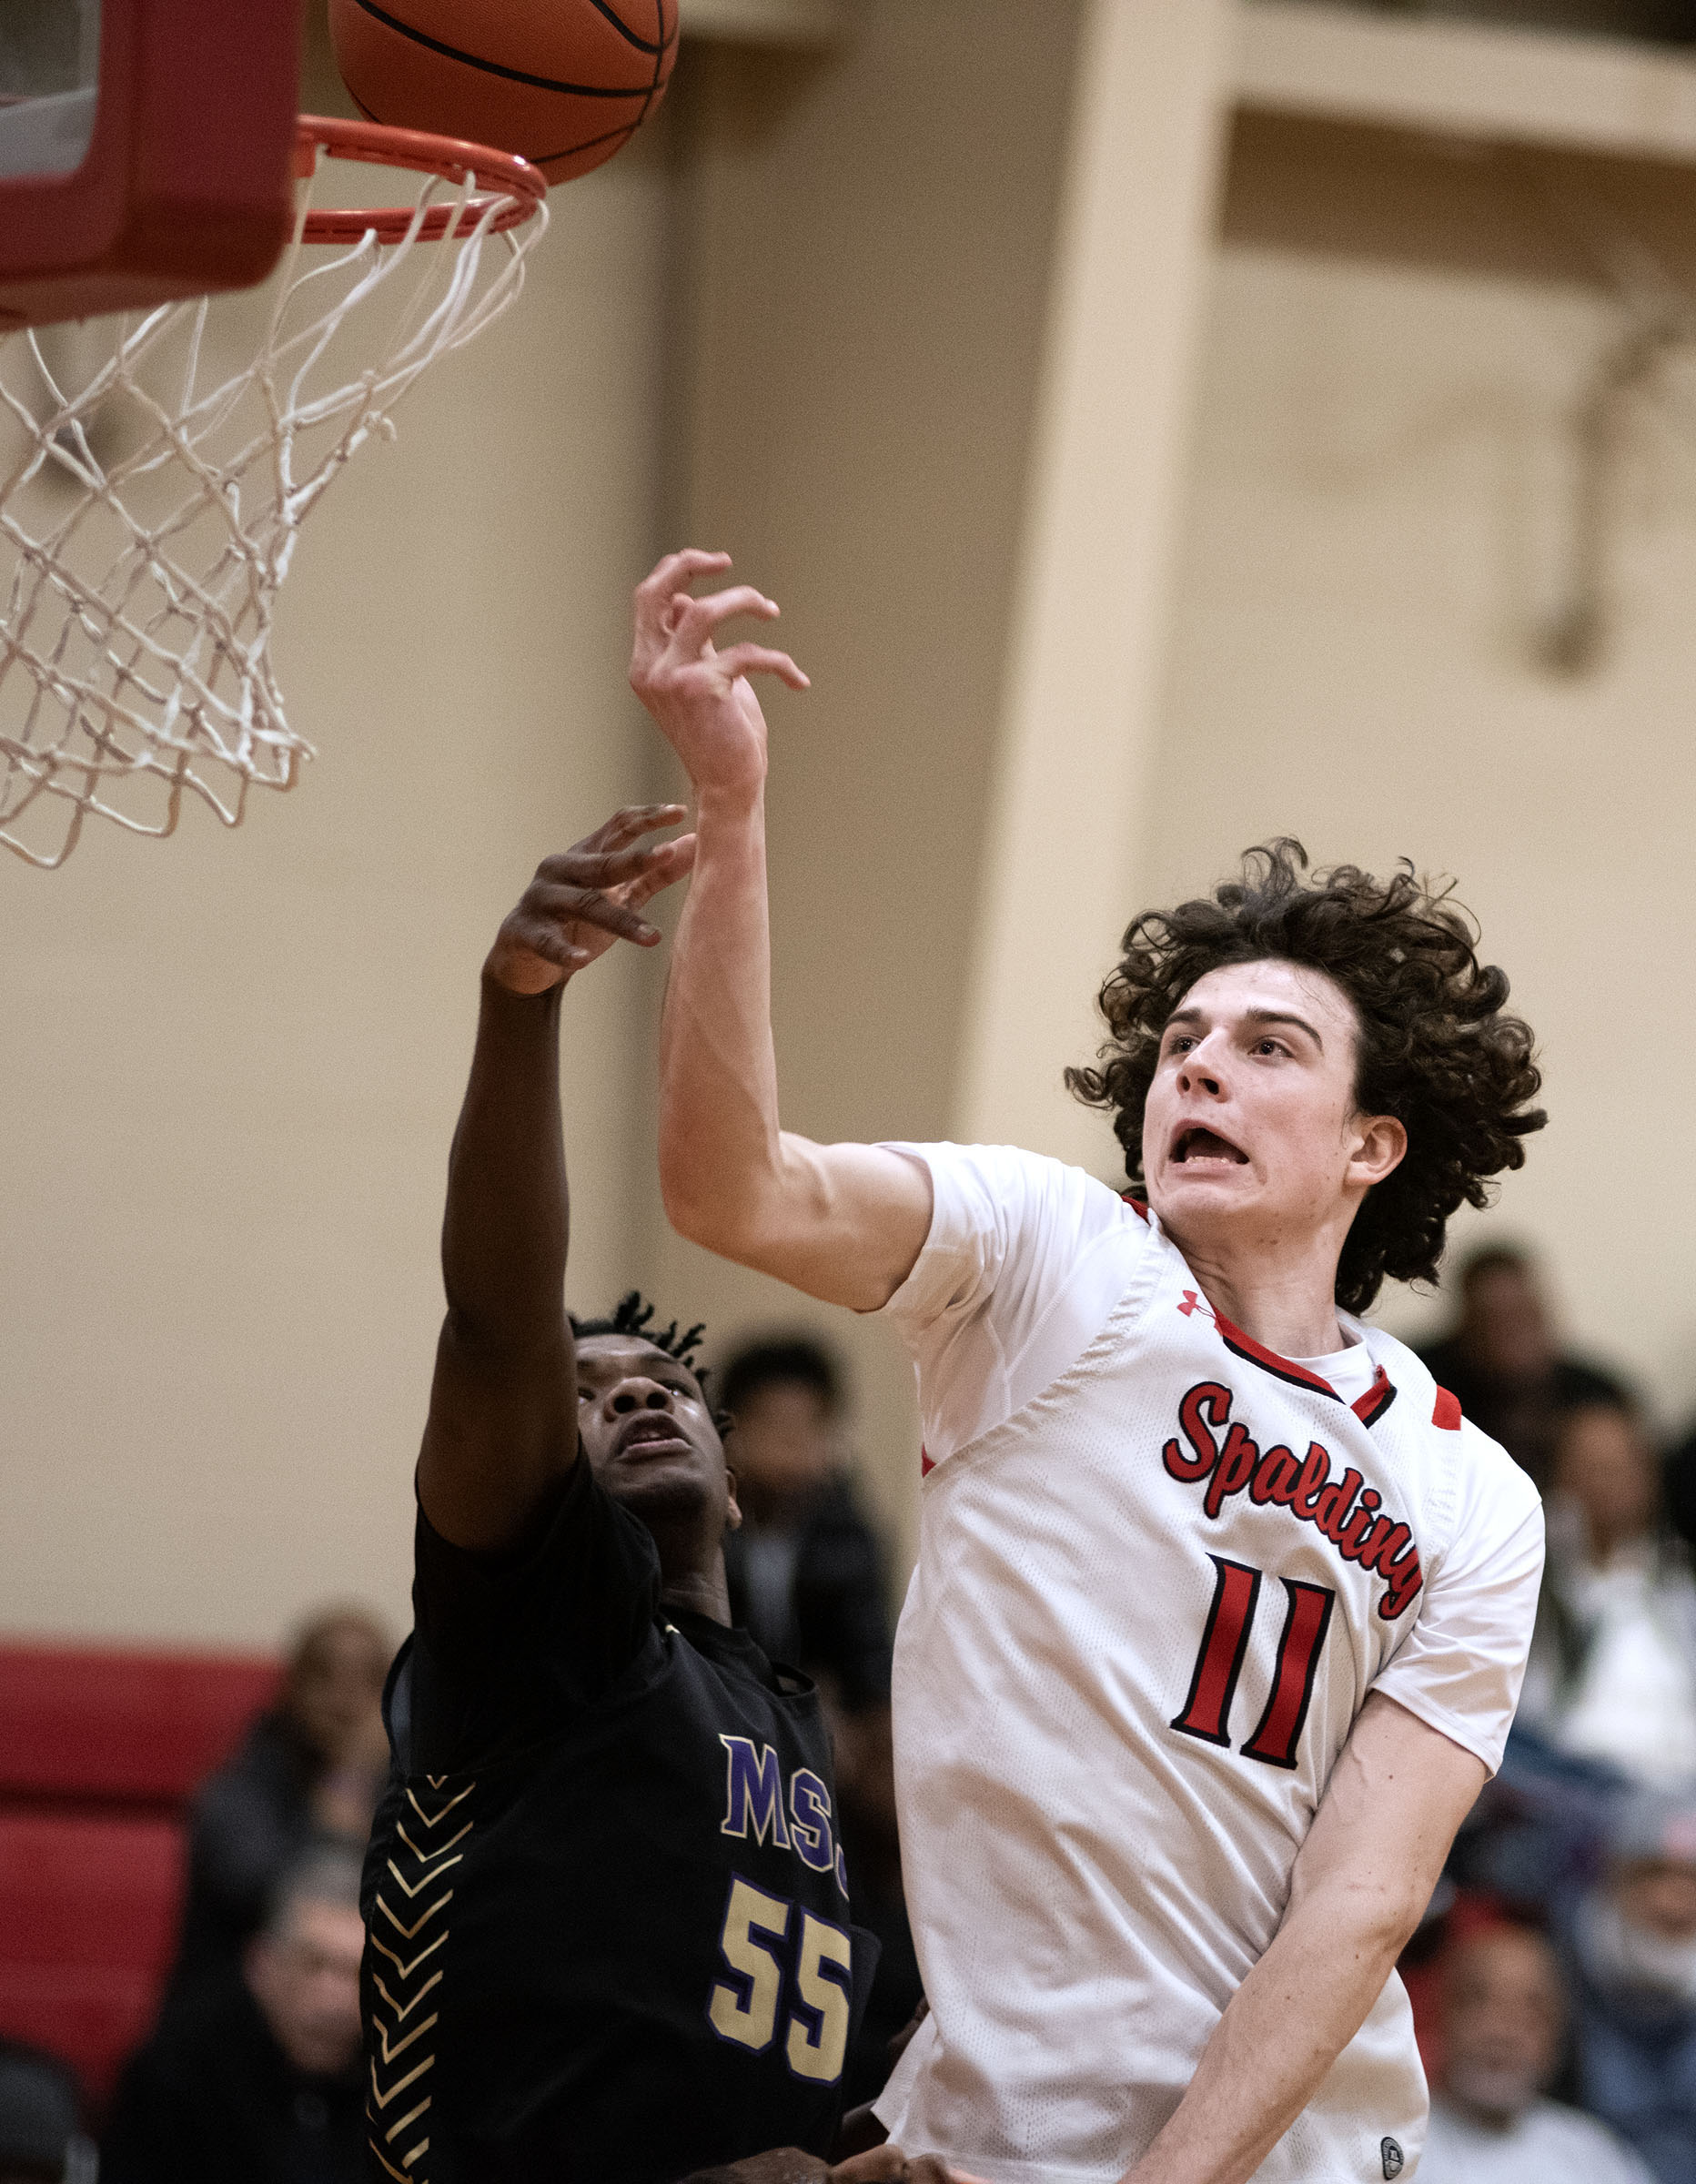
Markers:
{"x": 1206, "y": 1712}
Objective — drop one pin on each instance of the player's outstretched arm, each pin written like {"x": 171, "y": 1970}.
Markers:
{"x": 502, "y": 1425}
{"x": 843, "y": 1222}
{"x": 1361, "y": 1883}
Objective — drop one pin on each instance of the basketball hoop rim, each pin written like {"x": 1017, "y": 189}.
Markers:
{"x": 521, "y": 187}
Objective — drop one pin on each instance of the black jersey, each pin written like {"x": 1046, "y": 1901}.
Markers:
{"x": 607, "y": 1914}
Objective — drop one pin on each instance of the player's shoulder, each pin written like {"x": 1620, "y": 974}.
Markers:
{"x": 1019, "y": 1186}
{"x": 1474, "y": 1466}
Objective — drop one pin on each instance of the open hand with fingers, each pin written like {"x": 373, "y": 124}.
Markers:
{"x": 701, "y": 696}
{"x": 592, "y": 895}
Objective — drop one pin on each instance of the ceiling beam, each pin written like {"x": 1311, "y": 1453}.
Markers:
{"x": 1465, "y": 79}
{"x": 794, "y": 23}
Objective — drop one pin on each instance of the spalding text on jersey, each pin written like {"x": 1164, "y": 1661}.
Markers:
{"x": 1344, "y": 1510}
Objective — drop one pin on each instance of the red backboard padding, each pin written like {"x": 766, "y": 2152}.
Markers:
{"x": 187, "y": 186}
{"x": 119, "y": 1725}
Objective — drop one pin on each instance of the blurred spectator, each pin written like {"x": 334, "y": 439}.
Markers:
{"x": 805, "y": 1570}
{"x": 1503, "y": 1365}
{"x": 1678, "y": 1486}
{"x": 806, "y": 1578}
{"x": 311, "y": 1766}
{"x": 41, "y": 2124}
{"x": 1503, "y": 2022}
{"x": 257, "y": 2080}
{"x": 1635, "y": 1944}
{"x": 1612, "y": 1676}
{"x": 1537, "y": 1838}
{"x": 1452, "y": 1915}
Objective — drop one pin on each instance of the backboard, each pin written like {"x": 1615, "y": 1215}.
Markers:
{"x": 145, "y": 150}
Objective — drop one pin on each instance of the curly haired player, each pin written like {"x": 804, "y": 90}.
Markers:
{"x": 1221, "y": 1607}
{"x": 607, "y": 1933}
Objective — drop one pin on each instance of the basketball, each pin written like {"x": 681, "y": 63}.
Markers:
{"x": 566, "y": 83}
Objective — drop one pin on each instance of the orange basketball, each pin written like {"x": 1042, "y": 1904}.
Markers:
{"x": 564, "y": 82}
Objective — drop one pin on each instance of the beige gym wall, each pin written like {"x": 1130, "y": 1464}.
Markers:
{"x": 231, "y": 1062}
{"x": 804, "y": 318}
{"x": 801, "y": 317}
{"x": 1380, "y": 507}
{"x": 864, "y": 244}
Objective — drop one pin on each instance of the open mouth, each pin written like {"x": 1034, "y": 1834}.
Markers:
{"x": 1196, "y": 1145}
{"x": 655, "y": 1435}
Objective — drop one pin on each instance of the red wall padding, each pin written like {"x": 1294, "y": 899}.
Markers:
{"x": 100, "y": 1750}
{"x": 116, "y": 1726}
{"x": 88, "y": 1914}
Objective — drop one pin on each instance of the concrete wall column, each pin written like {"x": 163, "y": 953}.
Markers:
{"x": 1086, "y": 639}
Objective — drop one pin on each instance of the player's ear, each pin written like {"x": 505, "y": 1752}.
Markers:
{"x": 733, "y": 1507}
{"x": 1380, "y": 1147}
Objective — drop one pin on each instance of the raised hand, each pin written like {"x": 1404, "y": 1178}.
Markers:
{"x": 584, "y": 900}
{"x": 699, "y": 696}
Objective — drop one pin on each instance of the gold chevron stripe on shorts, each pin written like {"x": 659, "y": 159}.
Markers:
{"x": 398, "y": 2101}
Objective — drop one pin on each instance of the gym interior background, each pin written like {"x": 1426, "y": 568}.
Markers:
{"x": 1165, "y": 428}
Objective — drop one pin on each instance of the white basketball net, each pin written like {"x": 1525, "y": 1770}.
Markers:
{"x": 148, "y": 516}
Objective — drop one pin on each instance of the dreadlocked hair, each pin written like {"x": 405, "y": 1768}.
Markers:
{"x": 1435, "y": 1047}
{"x": 634, "y": 1316}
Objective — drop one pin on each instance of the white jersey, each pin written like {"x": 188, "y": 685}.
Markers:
{"x": 1159, "y": 1571}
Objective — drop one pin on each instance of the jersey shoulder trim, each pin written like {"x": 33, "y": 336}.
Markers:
{"x": 1446, "y": 1412}
{"x": 1371, "y": 1406}
{"x": 1367, "y": 1407}
{"x": 1282, "y": 1369}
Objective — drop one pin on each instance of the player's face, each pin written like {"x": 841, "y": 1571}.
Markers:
{"x": 1250, "y": 1132}
{"x": 647, "y": 1431}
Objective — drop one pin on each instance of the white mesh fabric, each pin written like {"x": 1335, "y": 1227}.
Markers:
{"x": 148, "y": 516}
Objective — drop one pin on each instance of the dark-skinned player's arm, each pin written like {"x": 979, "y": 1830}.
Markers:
{"x": 843, "y": 1222}
{"x": 502, "y": 1427}
{"x": 1360, "y": 1885}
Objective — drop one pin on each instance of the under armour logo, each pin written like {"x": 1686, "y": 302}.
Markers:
{"x": 1193, "y": 1303}
{"x": 1393, "y": 2158}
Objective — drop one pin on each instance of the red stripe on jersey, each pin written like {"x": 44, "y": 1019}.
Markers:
{"x": 1368, "y": 1409}
{"x": 1268, "y": 1359}
{"x": 1446, "y": 1412}
{"x": 1136, "y": 1204}
{"x": 927, "y": 1463}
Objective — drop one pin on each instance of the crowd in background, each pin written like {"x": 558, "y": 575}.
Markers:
{"x": 252, "y": 2070}
{"x": 1553, "y": 1981}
